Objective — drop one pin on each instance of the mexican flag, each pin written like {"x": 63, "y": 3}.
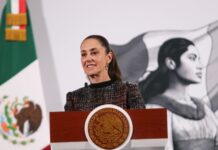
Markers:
{"x": 23, "y": 117}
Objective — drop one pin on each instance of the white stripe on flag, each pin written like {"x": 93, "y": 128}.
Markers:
{"x": 15, "y": 10}
{"x": 27, "y": 83}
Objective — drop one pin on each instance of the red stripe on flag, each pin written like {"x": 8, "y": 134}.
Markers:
{"x": 22, "y": 9}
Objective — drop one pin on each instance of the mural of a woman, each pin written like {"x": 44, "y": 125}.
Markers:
{"x": 192, "y": 123}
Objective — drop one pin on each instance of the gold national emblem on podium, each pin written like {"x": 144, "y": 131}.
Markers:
{"x": 108, "y": 127}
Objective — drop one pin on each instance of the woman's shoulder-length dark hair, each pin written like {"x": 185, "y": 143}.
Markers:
{"x": 158, "y": 81}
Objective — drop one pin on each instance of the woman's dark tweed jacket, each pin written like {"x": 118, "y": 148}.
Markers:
{"x": 123, "y": 94}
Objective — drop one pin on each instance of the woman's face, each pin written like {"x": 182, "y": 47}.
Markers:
{"x": 94, "y": 58}
{"x": 190, "y": 68}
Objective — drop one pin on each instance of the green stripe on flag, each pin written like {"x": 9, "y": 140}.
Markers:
{"x": 8, "y": 6}
{"x": 14, "y": 55}
{"x": 8, "y": 9}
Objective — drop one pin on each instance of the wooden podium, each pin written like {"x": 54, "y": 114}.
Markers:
{"x": 149, "y": 130}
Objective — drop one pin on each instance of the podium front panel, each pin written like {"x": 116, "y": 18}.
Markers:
{"x": 149, "y": 130}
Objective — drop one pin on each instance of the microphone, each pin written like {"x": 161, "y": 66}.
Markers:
{"x": 86, "y": 84}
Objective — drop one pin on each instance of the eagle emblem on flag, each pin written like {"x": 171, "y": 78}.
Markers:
{"x": 19, "y": 119}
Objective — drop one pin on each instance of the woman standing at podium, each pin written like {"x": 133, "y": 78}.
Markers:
{"x": 106, "y": 86}
{"x": 192, "y": 123}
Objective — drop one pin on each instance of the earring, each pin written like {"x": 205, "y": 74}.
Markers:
{"x": 107, "y": 66}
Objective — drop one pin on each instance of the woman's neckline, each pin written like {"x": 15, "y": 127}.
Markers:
{"x": 101, "y": 84}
